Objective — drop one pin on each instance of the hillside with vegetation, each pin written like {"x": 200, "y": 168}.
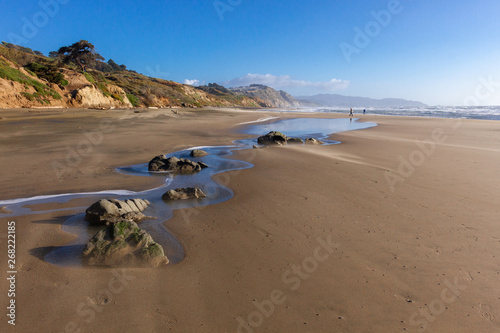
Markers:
{"x": 77, "y": 76}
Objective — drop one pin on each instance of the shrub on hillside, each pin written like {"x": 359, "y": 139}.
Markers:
{"x": 46, "y": 72}
{"x": 134, "y": 100}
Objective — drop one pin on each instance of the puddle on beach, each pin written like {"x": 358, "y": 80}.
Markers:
{"x": 161, "y": 211}
{"x": 304, "y": 128}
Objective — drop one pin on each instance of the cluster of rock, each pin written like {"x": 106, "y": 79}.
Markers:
{"x": 122, "y": 242}
{"x": 280, "y": 139}
{"x": 175, "y": 165}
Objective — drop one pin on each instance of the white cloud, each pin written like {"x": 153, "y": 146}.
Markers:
{"x": 192, "y": 82}
{"x": 285, "y": 82}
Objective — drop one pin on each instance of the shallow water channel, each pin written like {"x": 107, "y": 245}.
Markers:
{"x": 71, "y": 203}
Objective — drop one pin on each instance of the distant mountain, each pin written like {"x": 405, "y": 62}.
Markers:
{"x": 334, "y": 100}
{"x": 272, "y": 97}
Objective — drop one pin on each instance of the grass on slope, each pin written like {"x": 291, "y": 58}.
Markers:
{"x": 42, "y": 91}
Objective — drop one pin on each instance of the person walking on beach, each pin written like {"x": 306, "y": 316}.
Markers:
{"x": 364, "y": 111}
{"x": 350, "y": 113}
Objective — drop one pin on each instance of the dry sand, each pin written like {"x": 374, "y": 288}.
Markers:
{"x": 316, "y": 239}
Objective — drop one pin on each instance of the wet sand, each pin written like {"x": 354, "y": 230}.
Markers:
{"x": 377, "y": 234}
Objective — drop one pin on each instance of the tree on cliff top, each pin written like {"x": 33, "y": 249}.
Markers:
{"x": 81, "y": 53}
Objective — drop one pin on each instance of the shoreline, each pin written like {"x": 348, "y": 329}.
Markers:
{"x": 392, "y": 253}
{"x": 117, "y": 116}
{"x": 333, "y": 111}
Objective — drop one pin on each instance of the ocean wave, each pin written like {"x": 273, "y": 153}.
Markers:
{"x": 466, "y": 112}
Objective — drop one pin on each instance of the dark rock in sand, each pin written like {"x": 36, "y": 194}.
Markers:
{"x": 184, "y": 193}
{"x": 110, "y": 211}
{"x": 272, "y": 138}
{"x": 198, "y": 153}
{"x": 173, "y": 164}
{"x": 313, "y": 141}
{"x": 295, "y": 141}
{"x": 123, "y": 244}
{"x": 203, "y": 165}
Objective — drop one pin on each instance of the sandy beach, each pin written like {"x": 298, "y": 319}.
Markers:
{"x": 395, "y": 229}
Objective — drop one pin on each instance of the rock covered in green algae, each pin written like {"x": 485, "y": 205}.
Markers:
{"x": 123, "y": 244}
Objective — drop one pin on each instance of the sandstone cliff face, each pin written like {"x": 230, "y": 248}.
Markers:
{"x": 76, "y": 80}
{"x": 14, "y": 94}
{"x": 92, "y": 97}
{"x": 21, "y": 89}
{"x": 10, "y": 94}
{"x": 81, "y": 93}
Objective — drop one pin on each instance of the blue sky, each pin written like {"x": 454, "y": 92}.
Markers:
{"x": 440, "y": 52}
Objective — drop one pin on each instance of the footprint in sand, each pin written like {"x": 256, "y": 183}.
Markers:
{"x": 485, "y": 312}
{"x": 466, "y": 276}
{"x": 102, "y": 300}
